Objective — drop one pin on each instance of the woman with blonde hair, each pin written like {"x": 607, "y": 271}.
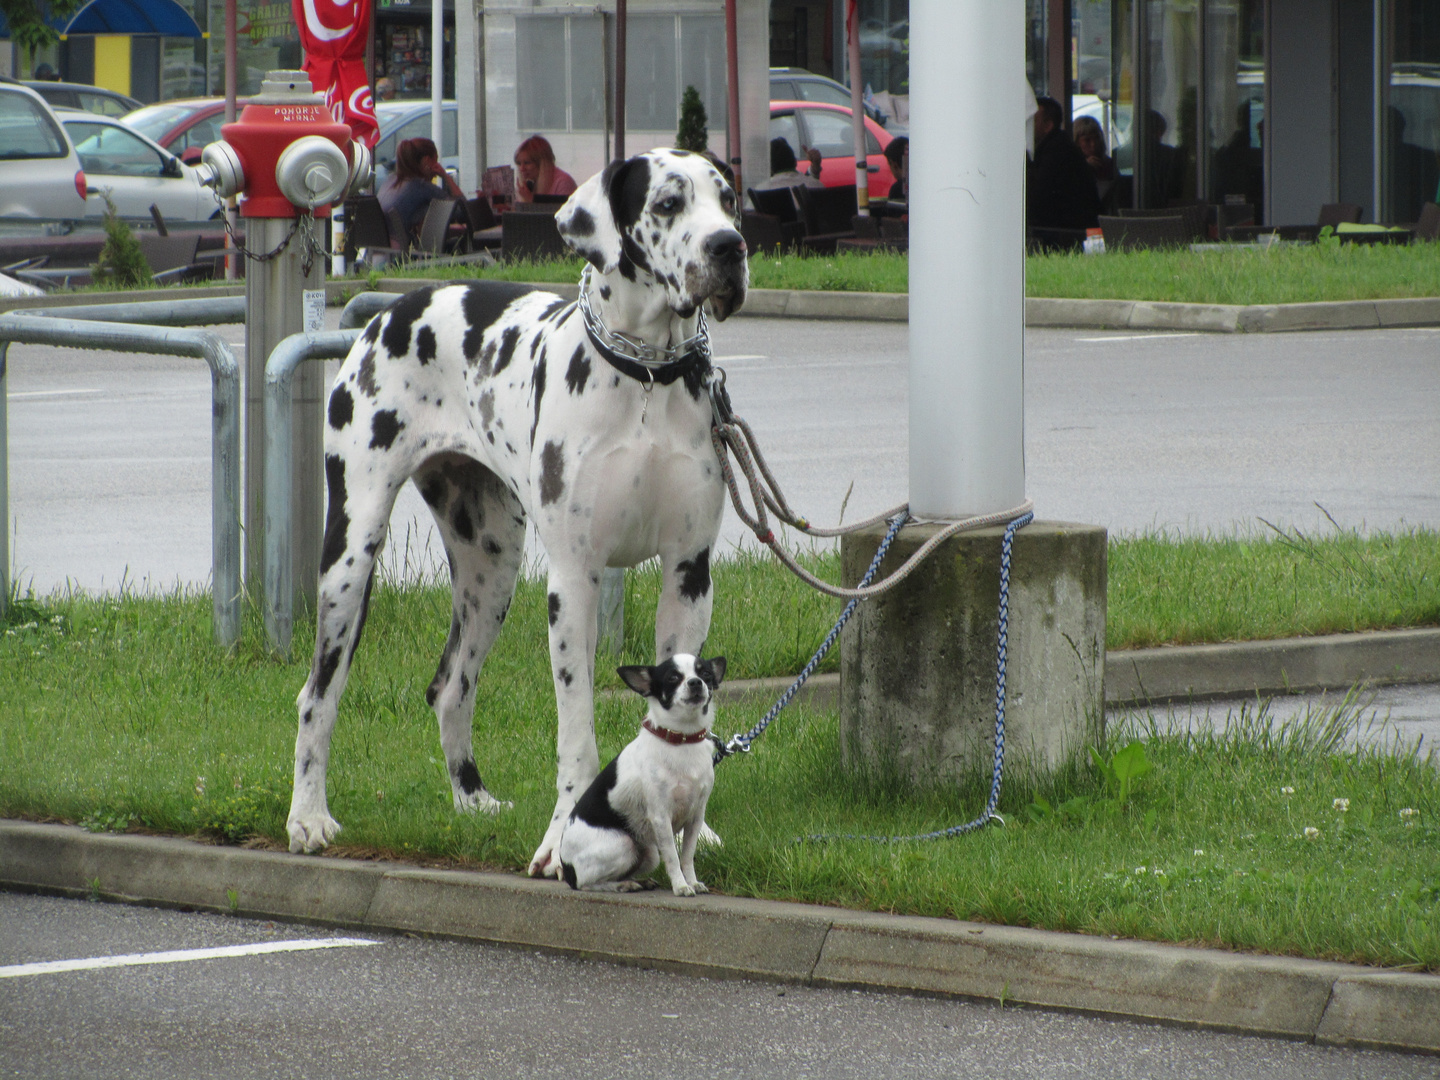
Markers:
{"x": 536, "y": 172}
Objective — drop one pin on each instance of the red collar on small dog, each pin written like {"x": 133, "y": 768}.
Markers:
{"x": 674, "y": 738}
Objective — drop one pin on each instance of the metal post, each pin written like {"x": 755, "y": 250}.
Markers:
{"x": 611, "y": 635}
{"x": 732, "y": 93}
{"x": 232, "y": 259}
{"x": 437, "y": 73}
{"x": 967, "y": 261}
{"x": 619, "y": 80}
{"x": 275, "y": 299}
{"x": 857, "y": 110}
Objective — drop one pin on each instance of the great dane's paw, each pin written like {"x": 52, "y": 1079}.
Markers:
{"x": 546, "y": 860}
{"x": 308, "y": 835}
{"x": 709, "y": 837}
{"x": 682, "y": 889}
{"x": 481, "y": 801}
{"x": 699, "y": 886}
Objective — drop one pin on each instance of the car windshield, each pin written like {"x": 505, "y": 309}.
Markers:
{"x": 814, "y": 90}
{"x": 26, "y": 131}
{"x": 155, "y": 120}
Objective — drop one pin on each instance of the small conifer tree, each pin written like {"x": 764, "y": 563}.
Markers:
{"x": 121, "y": 262}
{"x": 692, "y": 134}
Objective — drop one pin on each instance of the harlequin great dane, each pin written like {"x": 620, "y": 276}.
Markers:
{"x": 504, "y": 403}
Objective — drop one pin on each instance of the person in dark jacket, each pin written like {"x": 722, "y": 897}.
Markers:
{"x": 1061, "y": 191}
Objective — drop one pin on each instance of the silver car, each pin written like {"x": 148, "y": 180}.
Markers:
{"x": 40, "y": 172}
{"x": 134, "y": 171}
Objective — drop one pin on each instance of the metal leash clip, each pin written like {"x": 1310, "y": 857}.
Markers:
{"x": 737, "y": 745}
{"x": 720, "y": 408}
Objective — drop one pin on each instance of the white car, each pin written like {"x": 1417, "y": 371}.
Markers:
{"x": 40, "y": 173}
{"x": 134, "y": 171}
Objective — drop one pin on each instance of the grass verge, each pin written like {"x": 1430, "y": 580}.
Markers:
{"x": 1283, "y": 275}
{"x": 120, "y": 714}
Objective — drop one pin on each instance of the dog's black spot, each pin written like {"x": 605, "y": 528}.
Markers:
{"x": 342, "y": 407}
{"x": 564, "y": 675}
{"x": 396, "y": 335}
{"x": 372, "y": 330}
{"x": 578, "y": 374}
{"x": 364, "y": 614}
{"x": 593, "y": 807}
{"x": 464, "y": 686}
{"x": 365, "y": 375}
{"x": 432, "y": 490}
{"x": 447, "y": 658}
{"x": 462, "y": 524}
{"x": 490, "y": 545}
{"x": 552, "y": 472}
{"x": 306, "y": 716}
{"x": 305, "y": 765}
{"x": 554, "y": 308}
{"x": 337, "y": 522}
{"x": 425, "y": 344}
{"x": 384, "y": 426}
{"x": 325, "y": 670}
{"x": 695, "y": 576}
{"x": 509, "y": 338}
{"x": 582, "y": 223}
{"x": 469, "y": 777}
{"x": 604, "y": 292}
{"x": 483, "y": 304}
{"x": 655, "y": 238}
{"x": 539, "y": 387}
{"x": 554, "y": 601}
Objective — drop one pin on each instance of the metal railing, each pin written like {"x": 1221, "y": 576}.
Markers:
{"x": 45, "y": 328}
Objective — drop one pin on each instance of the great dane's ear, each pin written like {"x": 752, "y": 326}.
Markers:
{"x": 587, "y": 220}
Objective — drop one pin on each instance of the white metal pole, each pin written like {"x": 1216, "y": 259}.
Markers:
{"x": 857, "y": 108}
{"x": 967, "y": 257}
{"x": 437, "y": 73}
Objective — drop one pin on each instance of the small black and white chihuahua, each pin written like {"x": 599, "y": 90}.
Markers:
{"x": 624, "y": 825}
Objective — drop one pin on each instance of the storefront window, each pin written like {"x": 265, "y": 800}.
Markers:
{"x": 885, "y": 45}
{"x": 1410, "y": 125}
{"x": 1235, "y": 101}
{"x": 266, "y": 40}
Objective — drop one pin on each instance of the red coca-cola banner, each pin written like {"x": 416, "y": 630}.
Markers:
{"x": 334, "y": 33}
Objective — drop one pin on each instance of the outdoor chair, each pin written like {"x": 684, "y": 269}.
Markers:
{"x": 779, "y": 205}
{"x": 1193, "y": 214}
{"x": 1333, "y": 214}
{"x": 1137, "y": 233}
{"x": 367, "y": 227}
{"x": 172, "y": 258}
{"x": 530, "y": 236}
{"x": 435, "y": 228}
{"x": 1428, "y": 227}
{"x": 762, "y": 233}
{"x": 827, "y": 213}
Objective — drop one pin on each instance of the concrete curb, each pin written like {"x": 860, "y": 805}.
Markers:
{"x": 1201, "y": 672}
{"x": 1329, "y": 1003}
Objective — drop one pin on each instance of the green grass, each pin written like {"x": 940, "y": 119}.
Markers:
{"x": 120, "y": 713}
{"x": 1283, "y": 275}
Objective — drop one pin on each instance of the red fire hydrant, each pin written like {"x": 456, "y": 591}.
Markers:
{"x": 288, "y": 159}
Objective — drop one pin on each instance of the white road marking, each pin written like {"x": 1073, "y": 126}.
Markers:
{"x": 740, "y": 356}
{"x": 50, "y": 967}
{"x": 1138, "y": 337}
{"x": 52, "y": 393}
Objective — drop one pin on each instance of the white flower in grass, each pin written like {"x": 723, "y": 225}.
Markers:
{"x": 1343, "y": 805}
{"x": 1311, "y": 833}
{"x": 1408, "y": 816}
{"x": 199, "y": 785}
{"x": 1139, "y": 869}
{"x": 1199, "y": 851}
{"x": 1287, "y": 791}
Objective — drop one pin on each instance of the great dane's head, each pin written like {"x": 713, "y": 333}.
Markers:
{"x": 667, "y": 219}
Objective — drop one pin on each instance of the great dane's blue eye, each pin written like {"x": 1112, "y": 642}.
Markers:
{"x": 670, "y": 204}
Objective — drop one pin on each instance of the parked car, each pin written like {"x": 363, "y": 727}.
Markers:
{"x": 797, "y": 84}
{"x": 96, "y": 99}
{"x": 804, "y": 124}
{"x": 401, "y": 120}
{"x": 184, "y": 126}
{"x": 40, "y": 172}
{"x": 134, "y": 172}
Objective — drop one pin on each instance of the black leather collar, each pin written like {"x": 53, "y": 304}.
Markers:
{"x": 694, "y": 361}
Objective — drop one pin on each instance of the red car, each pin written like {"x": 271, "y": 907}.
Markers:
{"x": 183, "y": 127}
{"x": 804, "y": 124}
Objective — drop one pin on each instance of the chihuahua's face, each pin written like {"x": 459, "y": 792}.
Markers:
{"x": 681, "y": 690}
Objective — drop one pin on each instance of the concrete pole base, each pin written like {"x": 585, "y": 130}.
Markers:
{"x": 917, "y": 663}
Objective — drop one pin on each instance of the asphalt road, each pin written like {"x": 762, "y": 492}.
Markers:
{"x": 406, "y": 1007}
{"x": 1197, "y": 433}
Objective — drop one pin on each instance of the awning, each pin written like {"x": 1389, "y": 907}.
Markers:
{"x": 164, "y": 17}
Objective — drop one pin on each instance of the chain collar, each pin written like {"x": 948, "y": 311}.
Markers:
{"x": 639, "y": 359}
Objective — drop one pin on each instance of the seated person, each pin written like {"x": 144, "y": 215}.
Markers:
{"x": 783, "y": 171}
{"x": 410, "y": 189}
{"x": 1091, "y": 141}
{"x": 897, "y": 153}
{"x": 1061, "y": 191}
{"x": 536, "y": 172}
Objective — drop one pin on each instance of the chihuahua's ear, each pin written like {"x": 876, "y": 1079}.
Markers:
{"x": 712, "y": 671}
{"x": 636, "y": 677}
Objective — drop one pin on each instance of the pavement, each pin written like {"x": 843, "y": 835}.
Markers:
{"x": 1327, "y": 1003}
